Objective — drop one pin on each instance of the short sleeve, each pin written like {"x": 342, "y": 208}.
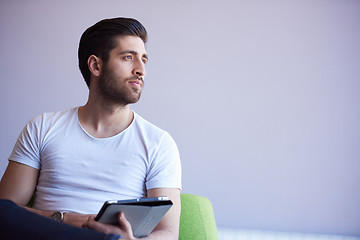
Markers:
{"x": 165, "y": 168}
{"x": 26, "y": 149}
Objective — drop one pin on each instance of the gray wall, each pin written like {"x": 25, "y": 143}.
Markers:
{"x": 262, "y": 98}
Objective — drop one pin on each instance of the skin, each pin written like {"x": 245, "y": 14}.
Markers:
{"x": 114, "y": 85}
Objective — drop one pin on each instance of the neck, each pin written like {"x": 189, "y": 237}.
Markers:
{"x": 102, "y": 119}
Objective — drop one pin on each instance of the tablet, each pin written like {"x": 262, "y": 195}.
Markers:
{"x": 143, "y": 214}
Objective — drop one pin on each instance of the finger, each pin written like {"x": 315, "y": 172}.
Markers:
{"x": 105, "y": 228}
{"x": 124, "y": 223}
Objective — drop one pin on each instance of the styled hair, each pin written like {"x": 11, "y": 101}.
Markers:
{"x": 99, "y": 40}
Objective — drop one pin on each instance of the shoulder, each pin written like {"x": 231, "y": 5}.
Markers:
{"x": 144, "y": 124}
{"x": 52, "y": 117}
{"x": 47, "y": 120}
{"x": 149, "y": 130}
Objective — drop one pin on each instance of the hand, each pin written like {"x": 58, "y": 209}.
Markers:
{"x": 76, "y": 219}
{"x": 123, "y": 229}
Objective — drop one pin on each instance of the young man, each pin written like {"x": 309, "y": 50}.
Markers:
{"x": 76, "y": 159}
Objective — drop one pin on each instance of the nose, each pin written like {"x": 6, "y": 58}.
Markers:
{"x": 139, "y": 68}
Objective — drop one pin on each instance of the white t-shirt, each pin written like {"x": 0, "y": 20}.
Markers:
{"x": 79, "y": 172}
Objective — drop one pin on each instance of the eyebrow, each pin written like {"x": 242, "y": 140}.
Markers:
{"x": 133, "y": 53}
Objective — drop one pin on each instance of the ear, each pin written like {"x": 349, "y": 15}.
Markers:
{"x": 94, "y": 65}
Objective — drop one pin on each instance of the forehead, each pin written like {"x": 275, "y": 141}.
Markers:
{"x": 130, "y": 43}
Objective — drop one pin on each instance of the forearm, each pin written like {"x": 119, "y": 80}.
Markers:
{"x": 18, "y": 223}
{"x": 38, "y": 211}
{"x": 71, "y": 218}
{"x": 162, "y": 234}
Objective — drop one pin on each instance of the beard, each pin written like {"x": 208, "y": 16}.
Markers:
{"x": 116, "y": 90}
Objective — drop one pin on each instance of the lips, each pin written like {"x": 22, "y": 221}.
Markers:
{"x": 136, "y": 83}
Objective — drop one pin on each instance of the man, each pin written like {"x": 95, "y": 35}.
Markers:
{"x": 77, "y": 159}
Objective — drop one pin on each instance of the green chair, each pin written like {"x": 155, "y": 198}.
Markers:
{"x": 197, "y": 221}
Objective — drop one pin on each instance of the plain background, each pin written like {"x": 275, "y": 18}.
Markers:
{"x": 262, "y": 98}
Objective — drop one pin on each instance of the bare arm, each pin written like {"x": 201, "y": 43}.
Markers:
{"x": 167, "y": 229}
{"x": 18, "y": 185}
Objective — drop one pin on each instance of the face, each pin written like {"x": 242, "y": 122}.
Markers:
{"x": 122, "y": 77}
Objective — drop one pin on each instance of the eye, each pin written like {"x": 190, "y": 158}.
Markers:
{"x": 128, "y": 57}
{"x": 144, "y": 60}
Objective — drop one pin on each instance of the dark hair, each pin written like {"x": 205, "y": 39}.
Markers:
{"x": 99, "y": 40}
